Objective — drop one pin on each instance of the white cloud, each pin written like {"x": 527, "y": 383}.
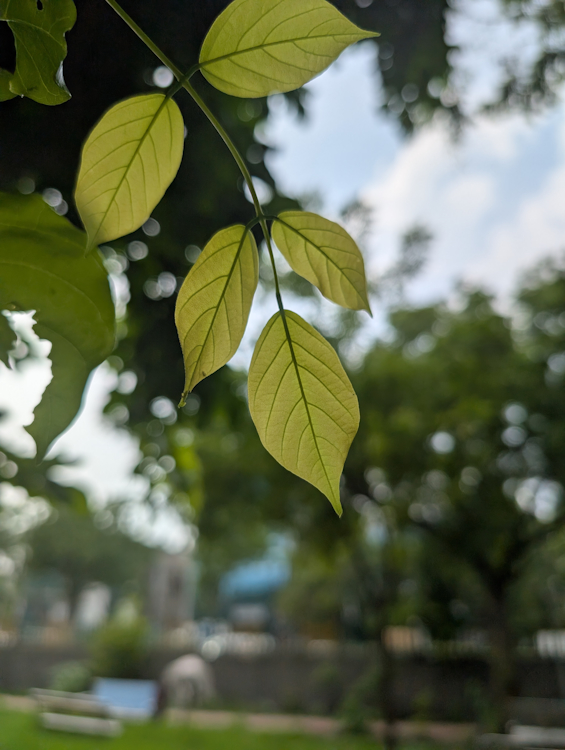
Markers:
{"x": 339, "y": 143}
{"x": 537, "y": 227}
{"x": 105, "y": 456}
{"x": 492, "y": 200}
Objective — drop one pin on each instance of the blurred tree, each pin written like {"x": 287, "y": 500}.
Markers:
{"x": 454, "y": 483}
{"x": 456, "y": 390}
{"x": 73, "y": 545}
{"x": 21, "y": 510}
{"x": 451, "y": 442}
{"x": 106, "y": 63}
{"x": 538, "y": 82}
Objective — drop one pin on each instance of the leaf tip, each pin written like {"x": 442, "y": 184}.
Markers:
{"x": 335, "y": 500}
{"x": 336, "y": 505}
{"x": 369, "y": 34}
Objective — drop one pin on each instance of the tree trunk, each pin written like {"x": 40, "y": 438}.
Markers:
{"x": 501, "y": 662}
{"x": 385, "y": 692}
{"x": 378, "y": 590}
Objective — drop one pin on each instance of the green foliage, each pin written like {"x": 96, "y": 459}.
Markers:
{"x": 302, "y": 402}
{"x": 128, "y": 161}
{"x": 43, "y": 268}
{"x": 119, "y": 648}
{"x": 71, "y": 544}
{"x": 441, "y": 451}
{"x": 323, "y": 253}
{"x": 39, "y": 31}
{"x": 71, "y": 677}
{"x": 214, "y": 302}
{"x": 256, "y": 47}
{"x": 7, "y": 339}
{"x": 355, "y": 709}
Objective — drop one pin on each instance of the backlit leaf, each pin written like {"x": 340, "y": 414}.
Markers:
{"x": 214, "y": 302}
{"x": 39, "y": 32}
{"x": 302, "y": 403}
{"x": 43, "y": 268}
{"x": 323, "y": 253}
{"x": 128, "y": 161}
{"x": 7, "y": 339}
{"x": 257, "y": 47}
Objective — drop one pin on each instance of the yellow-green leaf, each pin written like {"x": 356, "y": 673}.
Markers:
{"x": 302, "y": 403}
{"x": 128, "y": 161}
{"x": 325, "y": 254}
{"x": 256, "y": 47}
{"x": 214, "y": 302}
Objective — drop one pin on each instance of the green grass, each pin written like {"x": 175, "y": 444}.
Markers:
{"x": 20, "y": 731}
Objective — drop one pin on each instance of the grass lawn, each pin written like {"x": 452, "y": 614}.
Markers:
{"x": 20, "y": 731}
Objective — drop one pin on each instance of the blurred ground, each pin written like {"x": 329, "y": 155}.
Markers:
{"x": 209, "y": 730}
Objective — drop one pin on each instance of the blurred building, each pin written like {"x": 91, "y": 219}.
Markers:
{"x": 248, "y": 591}
{"x": 171, "y": 591}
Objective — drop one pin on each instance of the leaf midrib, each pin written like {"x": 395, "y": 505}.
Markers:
{"x": 328, "y": 258}
{"x": 247, "y": 50}
{"x": 129, "y": 166}
{"x": 282, "y": 313}
{"x": 68, "y": 341}
{"x": 16, "y": 21}
{"x": 222, "y": 297}
{"x": 19, "y": 232}
{"x": 36, "y": 26}
{"x": 60, "y": 279}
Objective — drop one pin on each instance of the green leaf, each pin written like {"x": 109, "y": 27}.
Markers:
{"x": 257, "y": 47}
{"x": 39, "y": 33}
{"x": 302, "y": 403}
{"x": 214, "y": 302}
{"x": 323, "y": 253}
{"x": 128, "y": 161}
{"x": 7, "y": 339}
{"x": 5, "y": 79}
{"x": 43, "y": 268}
{"x": 62, "y": 398}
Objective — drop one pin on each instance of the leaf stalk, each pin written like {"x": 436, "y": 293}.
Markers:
{"x": 183, "y": 80}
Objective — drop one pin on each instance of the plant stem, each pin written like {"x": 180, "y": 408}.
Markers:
{"x": 177, "y": 72}
{"x": 183, "y": 80}
{"x": 145, "y": 39}
{"x": 246, "y": 176}
{"x": 272, "y": 257}
{"x": 229, "y": 143}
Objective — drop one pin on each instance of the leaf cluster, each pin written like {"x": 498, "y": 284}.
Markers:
{"x": 127, "y": 163}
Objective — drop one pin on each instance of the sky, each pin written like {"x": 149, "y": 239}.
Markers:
{"x": 491, "y": 199}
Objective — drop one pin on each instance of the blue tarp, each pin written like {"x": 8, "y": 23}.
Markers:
{"x": 127, "y": 699}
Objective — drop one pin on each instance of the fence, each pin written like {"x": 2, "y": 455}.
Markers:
{"x": 313, "y": 679}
